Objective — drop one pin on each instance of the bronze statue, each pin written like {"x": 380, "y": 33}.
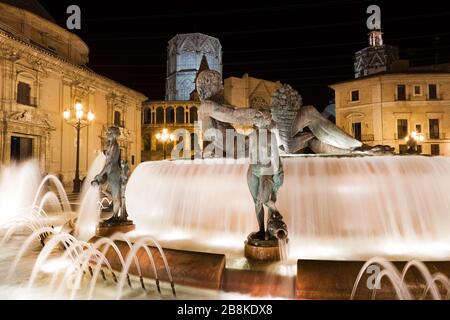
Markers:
{"x": 323, "y": 136}
{"x": 265, "y": 177}
{"x": 214, "y": 114}
{"x": 287, "y": 118}
{"x": 113, "y": 178}
{"x": 265, "y": 173}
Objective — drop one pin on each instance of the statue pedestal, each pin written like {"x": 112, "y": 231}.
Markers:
{"x": 107, "y": 229}
{"x": 262, "y": 250}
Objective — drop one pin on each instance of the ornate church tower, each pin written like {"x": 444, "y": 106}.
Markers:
{"x": 377, "y": 57}
{"x": 184, "y": 56}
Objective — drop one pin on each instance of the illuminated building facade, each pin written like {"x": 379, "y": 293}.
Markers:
{"x": 388, "y": 100}
{"x": 43, "y": 73}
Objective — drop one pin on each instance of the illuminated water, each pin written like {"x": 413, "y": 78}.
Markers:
{"x": 68, "y": 267}
{"x": 17, "y": 201}
{"x": 397, "y": 279}
{"x": 89, "y": 211}
{"x": 17, "y": 286}
{"x": 335, "y": 208}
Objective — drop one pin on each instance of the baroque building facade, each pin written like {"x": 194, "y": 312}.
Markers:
{"x": 385, "y": 104}
{"x": 43, "y": 73}
{"x": 184, "y": 55}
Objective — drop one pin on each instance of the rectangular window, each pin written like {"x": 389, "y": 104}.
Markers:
{"x": 402, "y": 128}
{"x": 401, "y": 92}
{"x": 434, "y": 128}
{"x": 432, "y": 92}
{"x": 357, "y": 131}
{"x": 355, "y": 95}
{"x": 417, "y": 90}
{"x": 24, "y": 93}
{"x": 435, "y": 150}
{"x": 118, "y": 119}
{"x": 418, "y": 128}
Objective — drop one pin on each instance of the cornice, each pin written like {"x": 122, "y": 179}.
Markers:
{"x": 17, "y": 49}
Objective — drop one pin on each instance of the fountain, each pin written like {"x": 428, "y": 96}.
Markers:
{"x": 318, "y": 218}
{"x": 391, "y": 213}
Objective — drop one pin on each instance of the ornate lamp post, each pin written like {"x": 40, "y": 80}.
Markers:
{"x": 79, "y": 121}
{"x": 165, "y": 136}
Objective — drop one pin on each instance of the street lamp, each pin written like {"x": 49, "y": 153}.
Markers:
{"x": 412, "y": 141}
{"x": 79, "y": 121}
{"x": 165, "y": 136}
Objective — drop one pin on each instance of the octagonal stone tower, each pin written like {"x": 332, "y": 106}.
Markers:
{"x": 184, "y": 56}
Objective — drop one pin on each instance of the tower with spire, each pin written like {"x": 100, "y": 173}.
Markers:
{"x": 186, "y": 53}
{"x": 376, "y": 58}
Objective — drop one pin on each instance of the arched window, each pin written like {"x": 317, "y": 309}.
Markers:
{"x": 147, "y": 116}
{"x": 188, "y": 60}
{"x": 170, "y": 115}
{"x": 180, "y": 115}
{"x": 160, "y": 115}
{"x": 117, "y": 119}
{"x": 185, "y": 89}
{"x": 193, "y": 115}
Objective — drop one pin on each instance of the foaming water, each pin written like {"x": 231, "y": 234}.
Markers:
{"x": 335, "y": 208}
{"x": 18, "y": 186}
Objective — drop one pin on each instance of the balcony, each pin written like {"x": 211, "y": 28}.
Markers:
{"x": 439, "y": 136}
{"x": 438, "y": 97}
{"x": 367, "y": 138}
{"x": 30, "y": 101}
{"x": 402, "y": 98}
{"x": 168, "y": 125}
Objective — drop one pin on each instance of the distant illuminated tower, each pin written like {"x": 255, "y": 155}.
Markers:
{"x": 376, "y": 58}
{"x": 184, "y": 56}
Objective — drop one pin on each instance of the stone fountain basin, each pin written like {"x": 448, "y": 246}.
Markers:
{"x": 193, "y": 269}
{"x": 206, "y": 271}
{"x": 314, "y": 280}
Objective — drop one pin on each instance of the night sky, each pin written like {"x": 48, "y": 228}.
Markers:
{"x": 308, "y": 44}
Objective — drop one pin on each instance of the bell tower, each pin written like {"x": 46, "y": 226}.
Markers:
{"x": 376, "y": 58}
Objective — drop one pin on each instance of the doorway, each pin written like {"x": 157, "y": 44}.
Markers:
{"x": 21, "y": 149}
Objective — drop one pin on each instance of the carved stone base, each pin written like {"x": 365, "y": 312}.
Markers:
{"x": 107, "y": 229}
{"x": 261, "y": 250}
